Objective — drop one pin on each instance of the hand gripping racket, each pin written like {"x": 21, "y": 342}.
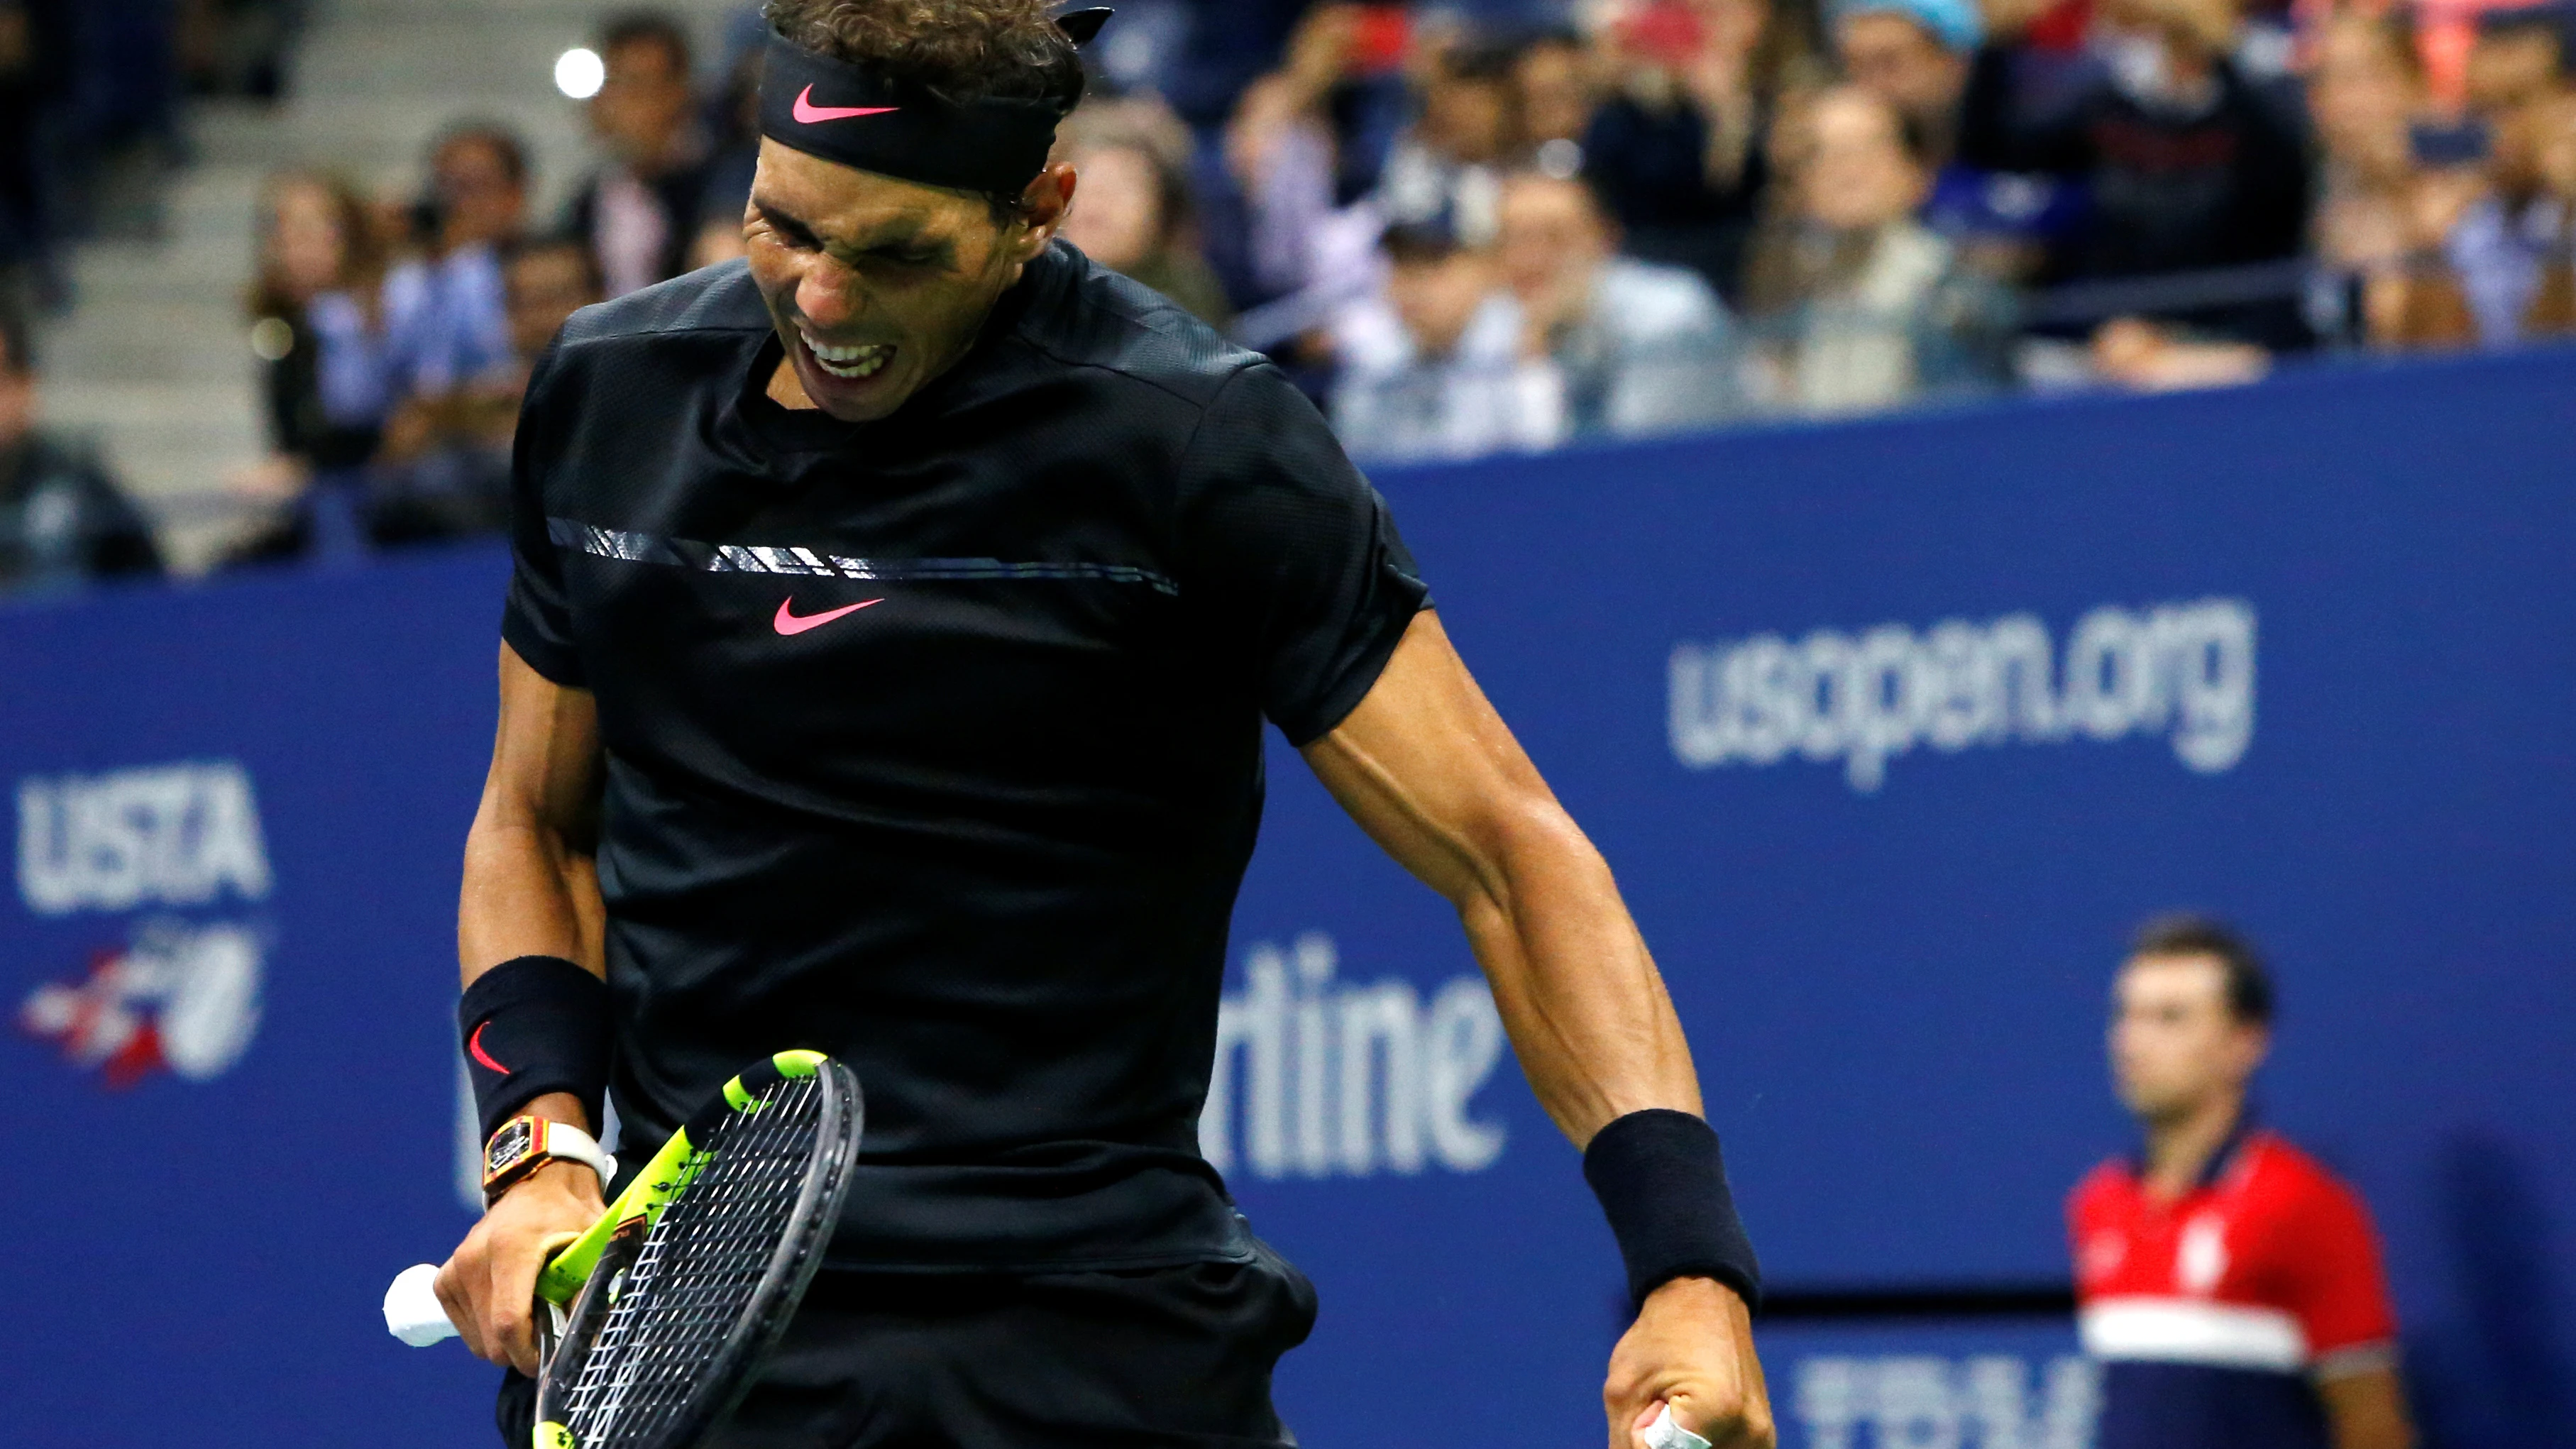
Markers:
{"x": 657, "y": 1318}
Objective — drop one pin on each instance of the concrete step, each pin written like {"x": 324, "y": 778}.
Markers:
{"x": 217, "y": 204}
{"x": 367, "y": 135}
{"x": 151, "y": 408}
{"x": 159, "y": 341}
{"x": 497, "y": 56}
{"x": 111, "y": 274}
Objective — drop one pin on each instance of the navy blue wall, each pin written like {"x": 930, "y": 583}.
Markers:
{"x": 2305, "y": 660}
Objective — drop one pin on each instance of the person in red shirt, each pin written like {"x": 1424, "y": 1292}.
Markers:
{"x": 2229, "y": 1285}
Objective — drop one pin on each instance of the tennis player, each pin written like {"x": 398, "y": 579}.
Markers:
{"x": 894, "y": 618}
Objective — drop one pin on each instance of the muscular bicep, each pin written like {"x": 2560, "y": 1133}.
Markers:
{"x": 1429, "y": 770}
{"x": 530, "y": 885}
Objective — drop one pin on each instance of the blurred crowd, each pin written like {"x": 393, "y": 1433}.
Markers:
{"x": 1465, "y": 227}
{"x": 90, "y": 94}
{"x": 1660, "y": 213}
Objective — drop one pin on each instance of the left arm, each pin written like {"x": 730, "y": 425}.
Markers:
{"x": 1429, "y": 770}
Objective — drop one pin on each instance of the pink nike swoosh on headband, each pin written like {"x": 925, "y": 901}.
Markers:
{"x": 789, "y": 624}
{"x": 807, "y": 113}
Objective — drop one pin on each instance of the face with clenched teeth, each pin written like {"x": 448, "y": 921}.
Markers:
{"x": 876, "y": 285}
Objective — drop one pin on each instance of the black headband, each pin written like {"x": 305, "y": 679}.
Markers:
{"x": 850, "y": 114}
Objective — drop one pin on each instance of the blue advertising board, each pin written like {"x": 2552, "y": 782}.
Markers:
{"x": 1891, "y": 731}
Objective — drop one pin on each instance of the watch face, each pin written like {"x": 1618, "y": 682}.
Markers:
{"x": 508, "y": 1145}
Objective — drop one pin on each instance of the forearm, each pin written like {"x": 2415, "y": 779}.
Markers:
{"x": 1587, "y": 1012}
{"x": 528, "y": 892}
{"x": 1430, "y": 772}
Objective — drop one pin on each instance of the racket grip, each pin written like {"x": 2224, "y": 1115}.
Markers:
{"x": 412, "y": 1310}
{"x": 1665, "y": 1434}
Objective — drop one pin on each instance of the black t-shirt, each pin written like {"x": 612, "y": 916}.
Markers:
{"x": 935, "y": 743}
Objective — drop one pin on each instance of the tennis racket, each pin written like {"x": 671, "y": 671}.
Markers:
{"x": 656, "y": 1319}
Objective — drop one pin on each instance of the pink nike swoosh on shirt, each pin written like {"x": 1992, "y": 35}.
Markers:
{"x": 807, "y": 113}
{"x": 789, "y": 624}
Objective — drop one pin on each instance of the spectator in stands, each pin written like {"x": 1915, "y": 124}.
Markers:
{"x": 1224, "y": 48}
{"x": 237, "y": 47}
{"x": 1677, "y": 152}
{"x": 2553, "y": 303}
{"x": 1553, "y": 93}
{"x": 643, "y": 208}
{"x": 447, "y": 474}
{"x": 318, "y": 330}
{"x": 1132, "y": 210}
{"x": 1433, "y": 367}
{"x": 1857, "y": 304}
{"x": 1642, "y": 347}
{"x": 23, "y": 230}
{"x": 546, "y": 280}
{"x": 733, "y": 122}
{"x": 1446, "y": 167}
{"x": 2231, "y": 1284}
{"x": 62, "y": 518}
{"x": 445, "y": 321}
{"x": 2365, "y": 87}
{"x": 2509, "y": 240}
{"x": 1306, "y": 144}
{"x": 1914, "y": 55}
{"x": 2188, "y": 167}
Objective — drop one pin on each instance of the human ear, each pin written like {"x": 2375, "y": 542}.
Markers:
{"x": 1043, "y": 208}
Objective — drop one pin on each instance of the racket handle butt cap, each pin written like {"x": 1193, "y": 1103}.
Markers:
{"x": 412, "y": 1310}
{"x": 1665, "y": 1434}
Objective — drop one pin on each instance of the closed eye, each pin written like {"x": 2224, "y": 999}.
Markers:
{"x": 791, "y": 231}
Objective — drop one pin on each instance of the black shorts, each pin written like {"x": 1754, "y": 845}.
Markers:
{"x": 1157, "y": 1357}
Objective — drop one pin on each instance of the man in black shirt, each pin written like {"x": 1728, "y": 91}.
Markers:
{"x": 640, "y": 210}
{"x": 894, "y": 619}
{"x": 63, "y": 520}
{"x": 2189, "y": 166}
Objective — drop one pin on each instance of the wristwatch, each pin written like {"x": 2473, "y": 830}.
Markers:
{"x": 526, "y": 1143}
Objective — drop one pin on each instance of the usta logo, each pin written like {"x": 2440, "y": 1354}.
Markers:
{"x": 181, "y": 997}
{"x": 173, "y": 835}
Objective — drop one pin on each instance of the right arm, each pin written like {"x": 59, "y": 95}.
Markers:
{"x": 531, "y": 889}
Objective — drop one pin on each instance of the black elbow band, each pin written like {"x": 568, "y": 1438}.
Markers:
{"x": 534, "y": 1025}
{"x": 1662, "y": 1184}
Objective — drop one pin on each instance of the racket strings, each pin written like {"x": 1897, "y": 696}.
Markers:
{"x": 700, "y": 1269}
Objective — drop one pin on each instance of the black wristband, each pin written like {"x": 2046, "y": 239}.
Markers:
{"x": 1662, "y": 1183}
{"x": 533, "y": 1025}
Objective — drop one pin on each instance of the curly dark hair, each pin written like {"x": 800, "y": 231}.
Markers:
{"x": 965, "y": 50}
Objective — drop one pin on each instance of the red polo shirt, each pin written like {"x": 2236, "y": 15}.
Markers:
{"x": 2214, "y": 1314}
